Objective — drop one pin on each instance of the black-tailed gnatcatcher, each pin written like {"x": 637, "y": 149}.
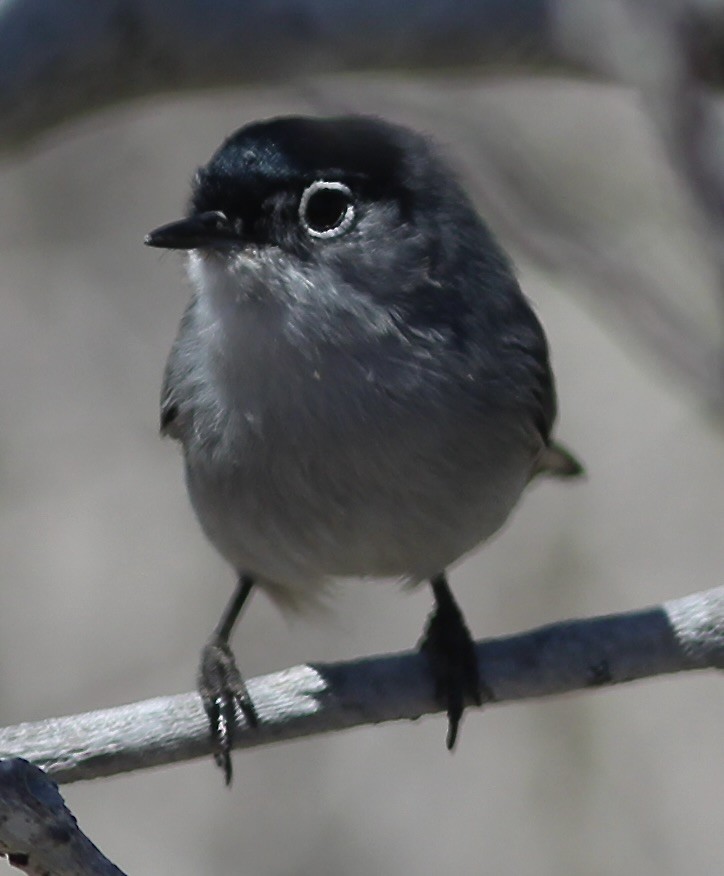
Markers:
{"x": 358, "y": 384}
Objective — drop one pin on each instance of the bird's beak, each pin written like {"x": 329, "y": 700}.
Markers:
{"x": 202, "y": 229}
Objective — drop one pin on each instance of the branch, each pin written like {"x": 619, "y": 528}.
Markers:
{"x": 683, "y": 110}
{"x": 305, "y": 700}
{"x": 62, "y": 59}
{"x": 38, "y": 833}
{"x": 604, "y": 280}
{"x": 59, "y": 60}
{"x": 672, "y": 55}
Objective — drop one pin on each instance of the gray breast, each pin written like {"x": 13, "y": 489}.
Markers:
{"x": 310, "y": 460}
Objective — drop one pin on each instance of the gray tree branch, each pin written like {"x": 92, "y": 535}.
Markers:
{"x": 38, "y": 833}
{"x": 667, "y": 50}
{"x": 662, "y": 328}
{"x": 681, "y": 635}
{"x": 60, "y": 60}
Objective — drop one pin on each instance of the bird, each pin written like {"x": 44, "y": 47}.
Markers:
{"x": 358, "y": 385}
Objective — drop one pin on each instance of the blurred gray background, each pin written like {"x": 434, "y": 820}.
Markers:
{"x": 110, "y": 589}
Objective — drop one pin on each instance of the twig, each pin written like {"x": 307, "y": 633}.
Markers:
{"x": 681, "y": 635}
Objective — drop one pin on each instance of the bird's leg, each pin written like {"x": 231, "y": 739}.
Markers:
{"x": 220, "y": 684}
{"x": 451, "y": 651}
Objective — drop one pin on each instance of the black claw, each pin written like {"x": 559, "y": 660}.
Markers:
{"x": 449, "y": 647}
{"x": 215, "y": 710}
{"x": 222, "y": 689}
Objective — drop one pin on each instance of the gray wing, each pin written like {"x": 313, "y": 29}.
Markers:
{"x": 169, "y": 408}
{"x": 176, "y": 376}
{"x": 554, "y": 459}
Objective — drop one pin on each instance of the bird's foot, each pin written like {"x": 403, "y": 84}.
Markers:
{"x": 222, "y": 689}
{"x": 449, "y": 647}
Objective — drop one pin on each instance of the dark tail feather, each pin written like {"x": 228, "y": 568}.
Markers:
{"x": 559, "y": 462}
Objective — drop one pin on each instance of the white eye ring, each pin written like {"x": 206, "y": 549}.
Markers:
{"x": 342, "y": 223}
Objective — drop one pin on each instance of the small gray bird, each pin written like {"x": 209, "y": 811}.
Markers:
{"x": 359, "y": 386}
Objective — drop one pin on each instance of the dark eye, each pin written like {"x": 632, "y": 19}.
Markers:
{"x": 326, "y": 209}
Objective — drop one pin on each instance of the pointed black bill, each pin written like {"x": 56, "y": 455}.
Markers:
{"x": 202, "y": 229}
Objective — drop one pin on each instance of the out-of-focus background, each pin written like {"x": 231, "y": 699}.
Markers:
{"x": 109, "y": 588}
